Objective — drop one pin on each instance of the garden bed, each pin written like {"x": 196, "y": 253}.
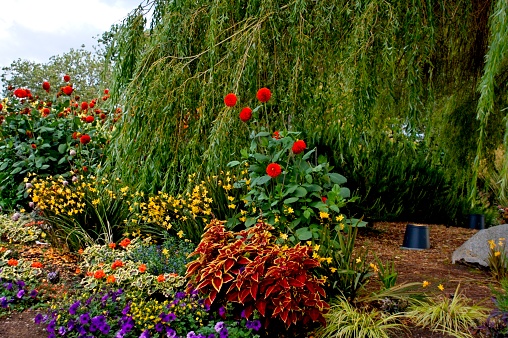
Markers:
{"x": 384, "y": 239}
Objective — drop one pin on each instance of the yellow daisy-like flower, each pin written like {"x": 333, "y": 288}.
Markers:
{"x": 165, "y": 251}
{"x": 339, "y": 218}
{"x": 284, "y": 236}
{"x": 497, "y": 253}
{"x": 358, "y": 260}
{"x": 332, "y": 269}
{"x": 329, "y": 260}
{"x": 440, "y": 287}
{"x": 374, "y": 267}
{"x": 309, "y": 243}
{"x": 316, "y": 247}
{"x": 323, "y": 215}
{"x": 231, "y": 198}
{"x": 290, "y": 210}
{"x": 425, "y": 283}
{"x": 180, "y": 233}
{"x": 492, "y": 244}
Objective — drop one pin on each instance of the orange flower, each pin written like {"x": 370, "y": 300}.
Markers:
{"x": 142, "y": 268}
{"x": 78, "y": 271}
{"x": 12, "y": 262}
{"x": 99, "y": 274}
{"x": 125, "y": 242}
{"x": 116, "y": 264}
{"x": 173, "y": 275}
{"x": 89, "y": 273}
{"x": 112, "y": 245}
{"x": 276, "y": 135}
{"x": 111, "y": 279}
{"x": 80, "y": 251}
{"x": 161, "y": 278}
{"x": 37, "y": 265}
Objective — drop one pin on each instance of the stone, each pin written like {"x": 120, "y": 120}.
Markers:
{"x": 476, "y": 250}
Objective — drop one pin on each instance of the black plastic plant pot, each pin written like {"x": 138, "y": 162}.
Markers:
{"x": 476, "y": 221}
{"x": 417, "y": 237}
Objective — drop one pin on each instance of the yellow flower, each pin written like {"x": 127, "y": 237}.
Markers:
{"x": 231, "y": 206}
{"x": 309, "y": 243}
{"x": 332, "y": 269}
{"x": 316, "y": 247}
{"x": 323, "y": 215}
{"x": 492, "y": 244}
{"x": 284, "y": 236}
{"x": 339, "y": 218}
{"x": 497, "y": 253}
{"x": 358, "y": 260}
{"x": 329, "y": 260}
{"x": 180, "y": 233}
{"x": 165, "y": 251}
{"x": 440, "y": 287}
{"x": 374, "y": 267}
{"x": 290, "y": 210}
{"x": 425, "y": 283}
{"x": 231, "y": 198}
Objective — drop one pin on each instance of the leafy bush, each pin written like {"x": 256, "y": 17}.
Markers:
{"x": 22, "y": 230}
{"x": 498, "y": 261}
{"x": 44, "y": 136}
{"x": 169, "y": 257}
{"x": 249, "y": 270}
{"x": 16, "y": 295}
{"x": 496, "y": 324}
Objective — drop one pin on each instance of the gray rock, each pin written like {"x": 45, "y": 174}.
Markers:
{"x": 476, "y": 249}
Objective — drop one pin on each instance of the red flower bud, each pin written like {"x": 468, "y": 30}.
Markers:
{"x": 230, "y": 100}
{"x": 85, "y": 139}
{"x": 263, "y": 94}
{"x": 66, "y": 78}
{"x": 246, "y": 114}
{"x": 67, "y": 90}
{"x": 89, "y": 119}
{"x": 46, "y": 86}
{"x": 84, "y": 105}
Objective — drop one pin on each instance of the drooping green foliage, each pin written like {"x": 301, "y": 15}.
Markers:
{"x": 385, "y": 89}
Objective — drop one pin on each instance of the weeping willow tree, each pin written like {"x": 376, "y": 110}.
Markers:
{"x": 388, "y": 90}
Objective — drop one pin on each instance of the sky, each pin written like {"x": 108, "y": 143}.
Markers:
{"x": 35, "y": 30}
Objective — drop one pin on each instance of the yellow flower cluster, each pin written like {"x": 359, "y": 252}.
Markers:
{"x": 146, "y": 312}
{"x": 163, "y": 209}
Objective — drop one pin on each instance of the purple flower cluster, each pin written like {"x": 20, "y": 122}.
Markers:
{"x": 15, "y": 293}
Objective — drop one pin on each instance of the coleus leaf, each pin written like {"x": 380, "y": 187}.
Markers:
{"x": 229, "y": 264}
{"x": 261, "y": 306}
{"x": 227, "y": 278}
{"x": 244, "y": 293}
{"x": 212, "y": 296}
{"x": 314, "y": 314}
{"x": 243, "y": 261}
{"x": 254, "y": 290}
{"x": 284, "y": 316}
{"x": 217, "y": 283}
{"x": 203, "y": 284}
{"x": 296, "y": 283}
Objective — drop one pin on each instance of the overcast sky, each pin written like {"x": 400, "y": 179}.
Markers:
{"x": 38, "y": 29}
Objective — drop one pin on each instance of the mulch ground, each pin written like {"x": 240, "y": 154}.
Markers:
{"x": 383, "y": 239}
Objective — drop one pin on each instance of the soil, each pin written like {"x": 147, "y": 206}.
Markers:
{"x": 383, "y": 239}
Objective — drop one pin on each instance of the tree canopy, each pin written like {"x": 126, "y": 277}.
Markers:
{"x": 405, "y": 97}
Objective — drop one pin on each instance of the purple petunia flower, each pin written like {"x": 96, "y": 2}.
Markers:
{"x": 3, "y": 302}
{"x": 191, "y": 334}
{"x": 145, "y": 334}
{"x": 70, "y": 325}
{"x": 253, "y": 325}
{"x": 74, "y": 307}
{"x": 20, "y": 293}
{"x": 84, "y": 318}
{"x": 219, "y": 326}
{"x": 126, "y": 309}
{"x": 34, "y": 293}
{"x": 105, "y": 328}
{"x": 38, "y": 319}
{"x": 180, "y": 295}
{"x": 211, "y": 335}
{"x": 222, "y": 311}
{"x": 224, "y": 333}
{"x": 170, "y": 333}
{"x": 62, "y": 331}
{"x": 20, "y": 284}
{"x": 51, "y": 335}
{"x": 8, "y": 286}
{"x": 51, "y": 326}
{"x": 159, "y": 327}
{"x": 167, "y": 317}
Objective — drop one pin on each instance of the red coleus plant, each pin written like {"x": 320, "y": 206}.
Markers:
{"x": 248, "y": 268}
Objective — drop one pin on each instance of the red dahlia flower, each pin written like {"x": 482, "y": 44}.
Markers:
{"x": 264, "y": 94}
{"x": 45, "y": 112}
{"x": 1, "y": 107}
{"x": 46, "y": 86}
{"x": 85, "y": 139}
{"x": 20, "y": 93}
{"x": 84, "y": 105}
{"x": 89, "y": 119}
{"x": 273, "y": 170}
{"x": 230, "y": 100}
{"x": 106, "y": 91}
{"x": 91, "y": 104}
{"x": 66, "y": 78}
{"x": 245, "y": 114}
{"x": 37, "y": 265}
{"x": 276, "y": 135}
{"x": 67, "y": 90}
{"x": 299, "y": 146}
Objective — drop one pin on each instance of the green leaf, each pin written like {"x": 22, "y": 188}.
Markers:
{"x": 62, "y": 148}
{"x": 4, "y": 166}
{"x": 306, "y": 214}
{"x": 344, "y": 192}
{"x": 261, "y": 158}
{"x": 300, "y": 192}
{"x": 62, "y": 160}
{"x": 308, "y": 178}
{"x": 46, "y": 166}
{"x": 250, "y": 221}
{"x": 16, "y": 170}
{"x": 337, "y": 178}
{"x": 312, "y": 187}
{"x": 262, "y": 134}
{"x": 230, "y": 164}
{"x": 303, "y": 234}
{"x": 307, "y": 154}
{"x": 262, "y": 180}
{"x": 290, "y": 200}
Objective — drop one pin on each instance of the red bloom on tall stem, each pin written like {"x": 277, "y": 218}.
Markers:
{"x": 230, "y": 100}
{"x": 21, "y": 93}
{"x": 1, "y": 107}
{"x": 46, "y": 86}
{"x": 298, "y": 147}
{"x": 89, "y": 119}
{"x": 246, "y": 114}
{"x": 66, "y": 78}
{"x": 67, "y": 90}
{"x": 84, "y": 105}
{"x": 276, "y": 135}
{"x": 85, "y": 139}
{"x": 264, "y": 94}
{"x": 273, "y": 170}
